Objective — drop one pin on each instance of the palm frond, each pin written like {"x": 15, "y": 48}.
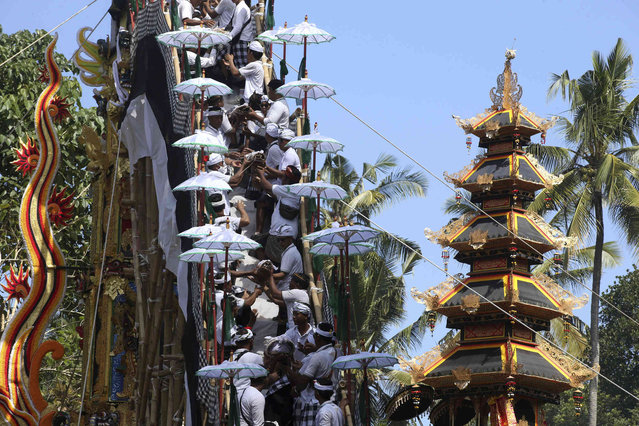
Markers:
{"x": 554, "y": 158}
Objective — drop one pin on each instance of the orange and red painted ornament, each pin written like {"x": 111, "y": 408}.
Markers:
{"x": 60, "y": 207}
{"x": 17, "y": 284}
{"x": 28, "y": 156}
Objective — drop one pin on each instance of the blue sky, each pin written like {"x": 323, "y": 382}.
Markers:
{"x": 405, "y": 67}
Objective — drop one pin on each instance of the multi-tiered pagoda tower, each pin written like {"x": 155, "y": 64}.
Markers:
{"x": 496, "y": 368}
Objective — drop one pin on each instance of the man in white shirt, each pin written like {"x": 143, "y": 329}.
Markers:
{"x": 278, "y": 113}
{"x": 302, "y": 334}
{"x": 215, "y": 116}
{"x": 252, "y": 72}
{"x": 317, "y": 365}
{"x": 329, "y": 414}
{"x": 243, "y": 342}
{"x": 191, "y": 16}
{"x": 281, "y": 215}
{"x": 242, "y": 32}
{"x": 266, "y": 203}
{"x": 274, "y": 153}
{"x": 289, "y": 156}
{"x": 235, "y": 223}
{"x": 252, "y": 402}
{"x": 223, "y": 12}
{"x": 298, "y": 292}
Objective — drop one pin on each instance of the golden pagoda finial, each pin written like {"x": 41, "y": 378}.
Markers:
{"x": 306, "y": 18}
{"x": 507, "y": 93}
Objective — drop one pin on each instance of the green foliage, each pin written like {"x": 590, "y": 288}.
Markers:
{"x": 620, "y": 340}
{"x": 600, "y": 169}
{"x": 19, "y": 91}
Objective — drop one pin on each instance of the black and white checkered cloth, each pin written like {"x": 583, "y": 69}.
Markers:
{"x": 304, "y": 413}
{"x": 327, "y": 311}
{"x": 239, "y": 51}
{"x": 150, "y": 21}
{"x": 280, "y": 383}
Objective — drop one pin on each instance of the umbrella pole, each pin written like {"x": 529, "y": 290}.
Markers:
{"x": 283, "y": 77}
{"x": 335, "y": 289}
{"x": 349, "y": 377}
{"x": 341, "y": 288}
{"x": 367, "y": 397}
{"x": 314, "y": 151}
{"x": 306, "y": 74}
{"x": 318, "y": 210}
{"x": 212, "y": 291}
{"x": 202, "y": 125}
{"x": 200, "y": 219}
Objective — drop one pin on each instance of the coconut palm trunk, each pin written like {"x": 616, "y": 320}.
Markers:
{"x": 594, "y": 307}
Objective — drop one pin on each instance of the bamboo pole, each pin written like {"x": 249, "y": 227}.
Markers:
{"x": 306, "y": 255}
{"x": 135, "y": 249}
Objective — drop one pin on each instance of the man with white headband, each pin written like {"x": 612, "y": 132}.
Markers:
{"x": 252, "y": 73}
{"x": 266, "y": 203}
{"x": 215, "y": 120}
{"x": 329, "y": 414}
{"x": 302, "y": 334}
{"x": 289, "y": 156}
{"x": 317, "y": 365}
{"x": 243, "y": 342}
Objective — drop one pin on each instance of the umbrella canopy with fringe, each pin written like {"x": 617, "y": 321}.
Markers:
{"x": 202, "y": 140}
{"x": 194, "y": 37}
{"x": 350, "y": 233}
{"x": 203, "y": 181}
{"x": 354, "y": 249}
{"x": 305, "y": 87}
{"x": 305, "y": 32}
{"x": 200, "y": 255}
{"x": 204, "y": 86}
{"x": 200, "y": 231}
{"x": 316, "y": 142}
{"x": 227, "y": 239}
{"x": 364, "y": 361}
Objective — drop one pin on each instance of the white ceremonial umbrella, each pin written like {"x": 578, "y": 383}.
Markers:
{"x": 318, "y": 189}
{"x": 306, "y": 88}
{"x": 194, "y": 37}
{"x": 304, "y": 33}
{"x": 316, "y": 143}
{"x": 337, "y": 249}
{"x": 231, "y": 370}
{"x": 365, "y": 360}
{"x": 202, "y": 140}
{"x": 200, "y": 255}
{"x": 203, "y": 181}
{"x": 200, "y": 231}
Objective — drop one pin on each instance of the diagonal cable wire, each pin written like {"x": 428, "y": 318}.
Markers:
{"x": 19, "y": 52}
{"x": 473, "y": 205}
{"x": 512, "y": 317}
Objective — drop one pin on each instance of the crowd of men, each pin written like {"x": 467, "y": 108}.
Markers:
{"x": 256, "y": 125}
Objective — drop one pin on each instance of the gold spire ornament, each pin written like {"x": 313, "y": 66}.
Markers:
{"x": 507, "y": 93}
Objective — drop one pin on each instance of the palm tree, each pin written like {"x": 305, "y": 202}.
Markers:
{"x": 377, "y": 278}
{"x": 598, "y": 167}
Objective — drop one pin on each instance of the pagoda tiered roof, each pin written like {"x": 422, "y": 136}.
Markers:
{"x": 503, "y": 172}
{"x": 476, "y": 231}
